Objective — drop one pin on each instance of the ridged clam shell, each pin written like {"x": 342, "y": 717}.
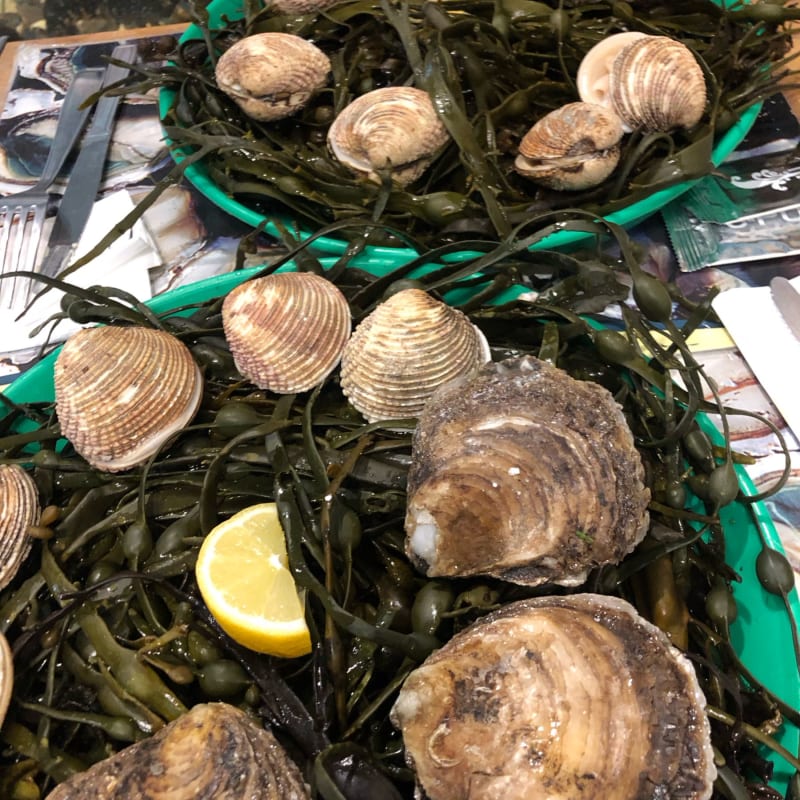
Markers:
{"x": 213, "y": 751}
{"x": 6, "y": 676}
{"x": 121, "y": 392}
{"x": 573, "y": 697}
{"x": 19, "y": 510}
{"x": 573, "y": 147}
{"x": 272, "y": 75}
{"x": 594, "y": 71}
{"x": 286, "y": 331}
{"x": 657, "y": 84}
{"x": 526, "y": 474}
{"x": 302, "y": 6}
{"x": 395, "y": 128}
{"x": 404, "y": 350}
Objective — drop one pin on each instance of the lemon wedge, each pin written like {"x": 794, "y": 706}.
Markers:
{"x": 243, "y": 574}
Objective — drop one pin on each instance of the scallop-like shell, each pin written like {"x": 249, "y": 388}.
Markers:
{"x": 286, "y": 331}
{"x": 302, "y": 6}
{"x": 6, "y": 676}
{"x": 526, "y": 474}
{"x": 571, "y": 148}
{"x": 19, "y": 510}
{"x": 656, "y": 84}
{"x": 272, "y": 75}
{"x": 121, "y": 392}
{"x": 213, "y": 751}
{"x": 573, "y": 697}
{"x": 594, "y": 71}
{"x": 394, "y": 128}
{"x": 404, "y": 350}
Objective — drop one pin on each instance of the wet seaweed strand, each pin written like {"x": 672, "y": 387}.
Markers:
{"x": 111, "y": 598}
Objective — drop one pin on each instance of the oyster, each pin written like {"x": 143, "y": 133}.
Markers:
{"x": 395, "y": 128}
{"x": 524, "y": 473}
{"x": 654, "y": 83}
{"x": 214, "y": 752}
{"x": 6, "y": 676}
{"x": 122, "y": 392}
{"x": 272, "y": 75}
{"x": 19, "y": 510}
{"x": 557, "y": 697}
{"x": 574, "y": 147}
{"x": 286, "y": 331}
{"x": 404, "y": 350}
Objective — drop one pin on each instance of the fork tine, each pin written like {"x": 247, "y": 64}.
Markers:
{"x": 18, "y": 234}
{"x": 7, "y": 285}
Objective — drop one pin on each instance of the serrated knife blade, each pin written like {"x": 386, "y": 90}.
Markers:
{"x": 87, "y": 173}
{"x": 787, "y": 299}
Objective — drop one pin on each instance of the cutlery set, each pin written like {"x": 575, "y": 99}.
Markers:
{"x": 22, "y": 215}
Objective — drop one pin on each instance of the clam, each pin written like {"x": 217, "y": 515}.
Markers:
{"x": 302, "y": 6}
{"x": 524, "y": 473}
{"x": 393, "y": 129}
{"x": 6, "y": 676}
{"x": 594, "y": 71}
{"x": 272, "y": 75}
{"x": 19, "y": 511}
{"x": 215, "y": 751}
{"x": 121, "y": 392}
{"x": 286, "y": 331}
{"x": 573, "y": 697}
{"x": 571, "y": 148}
{"x": 404, "y": 350}
{"x": 654, "y": 83}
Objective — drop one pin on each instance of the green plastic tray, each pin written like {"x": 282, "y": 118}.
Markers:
{"x": 762, "y": 632}
{"x": 199, "y": 177}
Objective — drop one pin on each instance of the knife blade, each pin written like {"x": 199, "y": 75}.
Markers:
{"x": 87, "y": 172}
{"x": 787, "y": 299}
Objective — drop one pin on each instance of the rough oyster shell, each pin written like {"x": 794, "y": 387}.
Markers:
{"x": 653, "y": 82}
{"x": 394, "y": 128}
{"x": 574, "y": 147}
{"x": 404, "y": 350}
{"x": 272, "y": 75}
{"x": 214, "y": 752}
{"x": 6, "y": 676}
{"x": 286, "y": 331}
{"x": 557, "y": 697}
{"x": 19, "y": 510}
{"x": 122, "y": 392}
{"x": 526, "y": 474}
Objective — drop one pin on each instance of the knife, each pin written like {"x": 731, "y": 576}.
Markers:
{"x": 787, "y": 299}
{"x": 87, "y": 172}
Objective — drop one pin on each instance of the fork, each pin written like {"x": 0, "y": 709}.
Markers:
{"x": 22, "y": 215}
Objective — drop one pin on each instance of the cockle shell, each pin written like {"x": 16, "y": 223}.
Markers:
{"x": 404, "y": 350}
{"x": 394, "y": 128}
{"x": 572, "y": 697}
{"x": 524, "y": 473}
{"x": 6, "y": 676}
{"x": 286, "y": 331}
{"x": 654, "y": 83}
{"x": 594, "y": 71}
{"x": 302, "y": 6}
{"x": 272, "y": 75}
{"x": 121, "y": 392}
{"x": 573, "y": 147}
{"x": 213, "y": 751}
{"x": 19, "y": 510}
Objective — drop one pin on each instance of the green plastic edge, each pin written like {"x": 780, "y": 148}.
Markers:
{"x": 198, "y": 176}
{"x": 762, "y": 630}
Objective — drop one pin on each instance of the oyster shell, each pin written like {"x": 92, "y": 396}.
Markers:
{"x": 574, "y": 147}
{"x": 653, "y": 82}
{"x": 6, "y": 676}
{"x": 526, "y": 474}
{"x": 394, "y": 128}
{"x": 557, "y": 697}
{"x": 272, "y": 75}
{"x": 286, "y": 331}
{"x": 122, "y": 392}
{"x": 404, "y": 350}
{"x": 214, "y": 752}
{"x": 19, "y": 510}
